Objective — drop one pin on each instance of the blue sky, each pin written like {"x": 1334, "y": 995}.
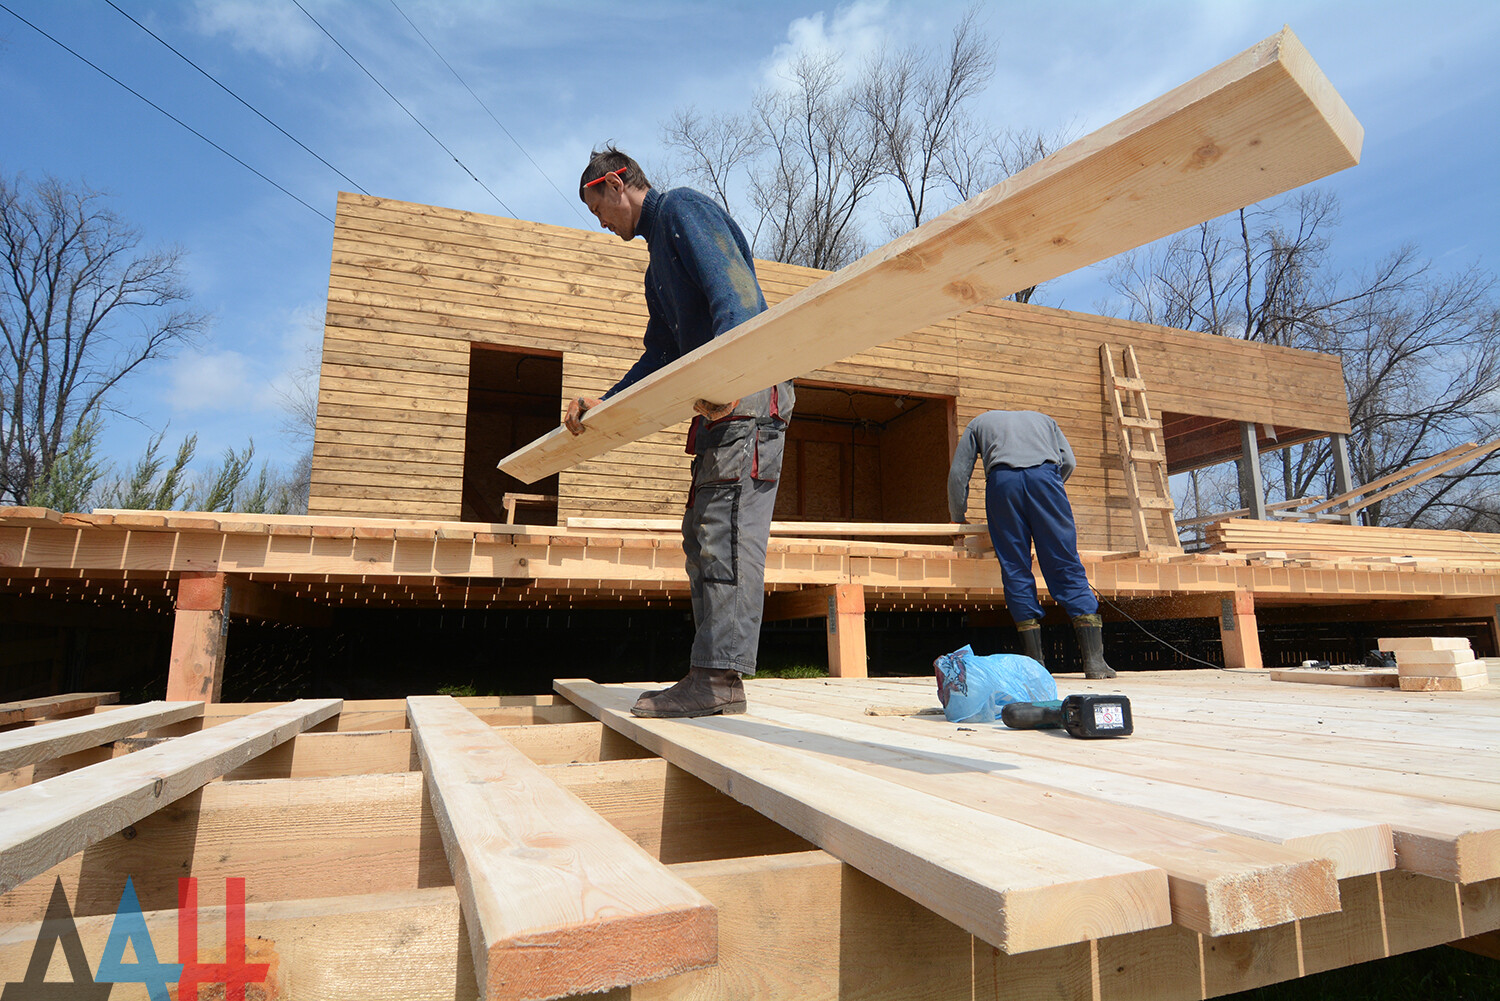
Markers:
{"x": 563, "y": 76}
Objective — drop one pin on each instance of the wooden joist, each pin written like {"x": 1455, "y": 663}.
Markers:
{"x": 48, "y": 821}
{"x": 1041, "y": 891}
{"x": 556, "y": 900}
{"x": 1259, "y": 124}
{"x": 53, "y": 705}
{"x": 64, "y": 736}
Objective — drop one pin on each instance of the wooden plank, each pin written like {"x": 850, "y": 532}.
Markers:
{"x": 1041, "y": 891}
{"x": 807, "y": 529}
{"x": 1220, "y": 883}
{"x": 556, "y": 900}
{"x": 53, "y": 705}
{"x": 1371, "y": 678}
{"x": 50, "y": 740}
{"x": 48, "y": 821}
{"x": 1259, "y": 124}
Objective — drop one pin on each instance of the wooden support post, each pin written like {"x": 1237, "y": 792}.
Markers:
{"x": 1343, "y": 473}
{"x": 1239, "y": 633}
{"x": 199, "y": 638}
{"x": 1252, "y": 488}
{"x": 846, "y": 631}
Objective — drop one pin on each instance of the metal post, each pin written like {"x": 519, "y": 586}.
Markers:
{"x": 1343, "y": 473}
{"x": 1252, "y": 489}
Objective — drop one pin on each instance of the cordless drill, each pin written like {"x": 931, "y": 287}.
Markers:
{"x": 1086, "y": 716}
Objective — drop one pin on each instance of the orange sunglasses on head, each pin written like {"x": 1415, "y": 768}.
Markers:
{"x": 602, "y": 176}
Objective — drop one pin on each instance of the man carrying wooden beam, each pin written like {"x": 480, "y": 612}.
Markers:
{"x": 1027, "y": 459}
{"x": 700, "y": 283}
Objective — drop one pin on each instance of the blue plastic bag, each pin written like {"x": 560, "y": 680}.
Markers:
{"x": 972, "y": 689}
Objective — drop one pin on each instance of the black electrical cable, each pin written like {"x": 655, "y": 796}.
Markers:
{"x": 232, "y": 94}
{"x": 403, "y": 107}
{"x": 164, "y": 111}
{"x": 571, "y": 203}
{"x": 1185, "y": 656}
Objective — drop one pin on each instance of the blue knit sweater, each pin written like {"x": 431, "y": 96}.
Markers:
{"x": 700, "y": 282}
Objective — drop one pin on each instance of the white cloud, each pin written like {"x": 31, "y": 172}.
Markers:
{"x": 217, "y": 381}
{"x": 278, "y": 31}
{"x": 856, "y": 32}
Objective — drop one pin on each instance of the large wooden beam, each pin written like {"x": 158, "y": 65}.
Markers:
{"x": 557, "y": 901}
{"x": 1038, "y": 892}
{"x": 1262, "y": 123}
{"x": 47, "y": 821}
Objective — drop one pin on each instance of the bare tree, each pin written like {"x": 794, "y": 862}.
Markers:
{"x": 1420, "y": 352}
{"x": 811, "y": 154}
{"x": 715, "y": 149}
{"x": 80, "y": 309}
{"x": 915, "y": 106}
{"x": 823, "y": 163}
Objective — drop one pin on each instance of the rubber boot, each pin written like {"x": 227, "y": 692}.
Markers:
{"x": 704, "y": 692}
{"x": 1090, "y": 632}
{"x": 1031, "y": 639}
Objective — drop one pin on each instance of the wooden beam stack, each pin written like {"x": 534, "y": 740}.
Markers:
{"x": 1436, "y": 663}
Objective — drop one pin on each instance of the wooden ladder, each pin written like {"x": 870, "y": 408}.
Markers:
{"x": 1144, "y": 447}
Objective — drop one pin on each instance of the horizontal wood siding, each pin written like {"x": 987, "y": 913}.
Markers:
{"x": 411, "y": 287}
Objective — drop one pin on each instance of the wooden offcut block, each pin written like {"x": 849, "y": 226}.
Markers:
{"x": 1420, "y": 684}
{"x": 1467, "y": 669}
{"x": 1400, "y": 644}
{"x": 1427, "y": 658}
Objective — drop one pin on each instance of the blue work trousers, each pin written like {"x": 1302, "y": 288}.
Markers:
{"x": 1029, "y": 507}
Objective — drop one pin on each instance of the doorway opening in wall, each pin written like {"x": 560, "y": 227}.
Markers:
{"x": 855, "y": 454}
{"x": 514, "y": 398}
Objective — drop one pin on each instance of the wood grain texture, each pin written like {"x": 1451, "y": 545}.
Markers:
{"x": 556, "y": 900}
{"x": 1041, "y": 891}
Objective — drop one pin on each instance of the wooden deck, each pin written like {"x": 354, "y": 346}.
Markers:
{"x": 1249, "y": 832}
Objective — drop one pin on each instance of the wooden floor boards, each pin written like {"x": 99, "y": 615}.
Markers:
{"x": 1248, "y": 832}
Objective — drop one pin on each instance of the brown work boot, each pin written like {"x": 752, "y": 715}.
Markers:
{"x": 660, "y": 691}
{"x": 704, "y": 692}
{"x": 1031, "y": 639}
{"x": 1090, "y": 632}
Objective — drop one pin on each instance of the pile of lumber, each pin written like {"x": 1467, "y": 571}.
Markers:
{"x": 1436, "y": 663}
{"x": 1245, "y": 535}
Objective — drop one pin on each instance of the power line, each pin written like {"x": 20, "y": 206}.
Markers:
{"x": 403, "y": 107}
{"x": 232, "y": 94}
{"x": 158, "y": 107}
{"x": 571, "y": 203}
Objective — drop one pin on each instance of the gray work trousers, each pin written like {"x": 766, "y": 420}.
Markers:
{"x": 736, "y": 467}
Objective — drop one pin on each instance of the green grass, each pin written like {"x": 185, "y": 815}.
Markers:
{"x": 791, "y": 671}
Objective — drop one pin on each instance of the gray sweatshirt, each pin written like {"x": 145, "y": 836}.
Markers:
{"x": 1015, "y": 438}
